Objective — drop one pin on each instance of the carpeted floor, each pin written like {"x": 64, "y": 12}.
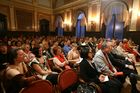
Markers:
{"x": 138, "y": 69}
{"x": 127, "y": 87}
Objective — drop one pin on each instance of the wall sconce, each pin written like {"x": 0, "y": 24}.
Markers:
{"x": 67, "y": 25}
{"x": 130, "y": 10}
{"x": 95, "y": 19}
{"x": 93, "y": 25}
{"x": 139, "y": 13}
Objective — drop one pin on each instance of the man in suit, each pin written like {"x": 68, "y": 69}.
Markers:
{"x": 89, "y": 73}
{"x": 106, "y": 65}
{"x": 102, "y": 61}
{"x": 125, "y": 66}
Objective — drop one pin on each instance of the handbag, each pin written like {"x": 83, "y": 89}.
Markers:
{"x": 86, "y": 88}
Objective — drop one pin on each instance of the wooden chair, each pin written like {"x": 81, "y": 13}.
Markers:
{"x": 40, "y": 86}
{"x": 66, "y": 79}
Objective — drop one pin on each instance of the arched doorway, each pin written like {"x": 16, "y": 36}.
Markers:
{"x": 116, "y": 17}
{"x": 3, "y": 26}
{"x": 59, "y": 28}
{"x": 44, "y": 26}
{"x": 81, "y": 25}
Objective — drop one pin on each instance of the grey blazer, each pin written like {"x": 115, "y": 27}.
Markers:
{"x": 101, "y": 63}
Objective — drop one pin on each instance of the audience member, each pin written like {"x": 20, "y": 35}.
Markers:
{"x": 15, "y": 76}
{"x": 39, "y": 66}
{"x": 89, "y": 73}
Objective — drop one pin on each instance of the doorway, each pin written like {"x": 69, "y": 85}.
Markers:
{"x": 3, "y": 26}
{"x": 44, "y": 27}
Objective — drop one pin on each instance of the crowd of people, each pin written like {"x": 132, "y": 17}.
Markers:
{"x": 107, "y": 63}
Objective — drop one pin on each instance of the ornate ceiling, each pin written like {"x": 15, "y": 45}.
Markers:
{"x": 58, "y": 3}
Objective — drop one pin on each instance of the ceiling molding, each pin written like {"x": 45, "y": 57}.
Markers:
{"x": 75, "y": 5}
{"x": 70, "y": 5}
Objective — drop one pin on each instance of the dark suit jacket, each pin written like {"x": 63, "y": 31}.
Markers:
{"x": 118, "y": 56}
{"x": 88, "y": 73}
{"x": 119, "y": 63}
{"x": 116, "y": 62}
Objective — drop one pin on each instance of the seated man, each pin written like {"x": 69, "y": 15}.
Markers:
{"x": 104, "y": 65}
{"x": 89, "y": 73}
{"x": 118, "y": 49}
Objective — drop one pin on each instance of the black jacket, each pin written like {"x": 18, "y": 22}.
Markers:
{"x": 88, "y": 73}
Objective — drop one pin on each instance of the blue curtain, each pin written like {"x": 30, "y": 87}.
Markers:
{"x": 78, "y": 29}
{"x": 60, "y": 31}
{"x": 115, "y": 27}
{"x": 83, "y": 30}
{"x": 109, "y": 29}
{"x": 119, "y": 30}
{"x": 59, "y": 28}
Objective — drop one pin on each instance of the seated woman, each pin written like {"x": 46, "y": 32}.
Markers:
{"x": 15, "y": 76}
{"x": 73, "y": 55}
{"x": 59, "y": 59}
{"x": 40, "y": 66}
{"x": 28, "y": 54}
{"x": 129, "y": 49}
{"x": 89, "y": 73}
{"x": 124, "y": 53}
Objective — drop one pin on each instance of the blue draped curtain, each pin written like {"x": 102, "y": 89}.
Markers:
{"x": 59, "y": 28}
{"x": 80, "y": 30}
{"x": 115, "y": 26}
{"x": 60, "y": 31}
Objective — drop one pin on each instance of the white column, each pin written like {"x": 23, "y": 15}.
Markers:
{"x": 70, "y": 20}
{"x": 98, "y": 17}
{"x": 134, "y": 16}
{"x": 52, "y": 28}
{"x": 89, "y": 18}
{"x": 36, "y": 25}
{"x": 12, "y": 19}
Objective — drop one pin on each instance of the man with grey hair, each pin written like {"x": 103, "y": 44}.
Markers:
{"x": 106, "y": 66}
{"x": 103, "y": 64}
{"x": 102, "y": 61}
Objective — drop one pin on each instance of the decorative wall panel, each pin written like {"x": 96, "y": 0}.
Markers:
{"x": 46, "y": 3}
{"x": 24, "y": 20}
{"x": 59, "y": 3}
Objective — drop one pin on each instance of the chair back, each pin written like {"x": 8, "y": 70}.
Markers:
{"x": 41, "y": 86}
{"x": 54, "y": 67}
{"x": 67, "y": 78}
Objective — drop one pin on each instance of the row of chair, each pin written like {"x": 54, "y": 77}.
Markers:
{"x": 65, "y": 80}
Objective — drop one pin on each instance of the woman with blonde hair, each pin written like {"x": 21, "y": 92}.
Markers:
{"x": 74, "y": 55}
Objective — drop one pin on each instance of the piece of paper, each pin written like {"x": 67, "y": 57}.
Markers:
{"x": 79, "y": 60}
{"x": 106, "y": 79}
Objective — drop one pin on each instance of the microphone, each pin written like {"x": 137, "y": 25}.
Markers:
{"x": 135, "y": 76}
